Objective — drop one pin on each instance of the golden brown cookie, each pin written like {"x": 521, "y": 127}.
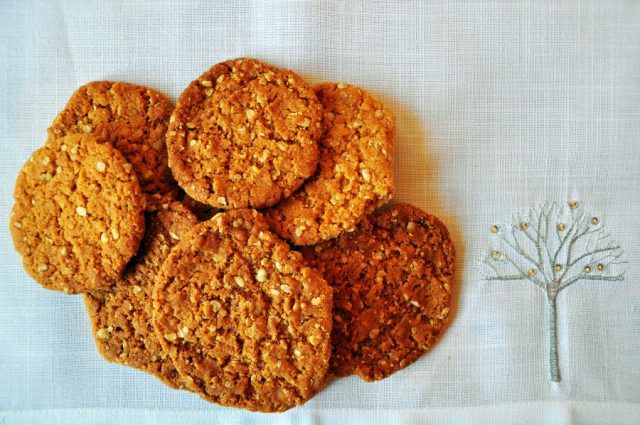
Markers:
{"x": 244, "y": 134}
{"x": 78, "y": 216}
{"x": 354, "y": 175}
{"x": 245, "y": 322}
{"x": 392, "y": 282}
{"x": 121, "y": 315}
{"x": 132, "y": 118}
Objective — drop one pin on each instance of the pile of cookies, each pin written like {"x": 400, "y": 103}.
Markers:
{"x": 234, "y": 245}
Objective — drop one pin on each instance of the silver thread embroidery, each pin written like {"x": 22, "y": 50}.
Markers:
{"x": 552, "y": 247}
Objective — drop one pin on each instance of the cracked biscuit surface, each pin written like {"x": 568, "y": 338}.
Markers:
{"x": 131, "y": 118}
{"x": 244, "y": 134}
{"x": 121, "y": 315}
{"x": 392, "y": 282}
{"x": 354, "y": 175}
{"x": 245, "y": 322}
{"x": 78, "y": 216}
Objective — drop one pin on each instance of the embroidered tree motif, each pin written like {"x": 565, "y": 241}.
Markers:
{"x": 553, "y": 247}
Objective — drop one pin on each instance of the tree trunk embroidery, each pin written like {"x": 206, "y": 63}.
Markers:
{"x": 552, "y": 247}
{"x": 553, "y": 340}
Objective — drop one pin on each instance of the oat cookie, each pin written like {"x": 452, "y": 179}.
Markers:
{"x": 78, "y": 215}
{"x": 244, "y": 134}
{"x": 392, "y": 282}
{"x": 132, "y": 118}
{"x": 245, "y": 322}
{"x": 121, "y": 315}
{"x": 354, "y": 175}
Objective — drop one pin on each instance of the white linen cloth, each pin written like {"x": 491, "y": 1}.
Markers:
{"x": 500, "y": 106}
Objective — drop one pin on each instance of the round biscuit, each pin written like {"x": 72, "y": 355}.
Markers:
{"x": 354, "y": 175}
{"x": 121, "y": 315}
{"x": 78, "y": 216}
{"x": 130, "y": 117}
{"x": 245, "y": 322}
{"x": 244, "y": 134}
{"x": 392, "y": 280}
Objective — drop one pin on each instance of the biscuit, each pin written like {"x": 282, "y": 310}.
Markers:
{"x": 392, "y": 282}
{"x": 78, "y": 216}
{"x": 121, "y": 315}
{"x": 132, "y": 118}
{"x": 245, "y": 322}
{"x": 244, "y": 134}
{"x": 354, "y": 174}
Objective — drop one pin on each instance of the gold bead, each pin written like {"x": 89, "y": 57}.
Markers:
{"x": 558, "y": 267}
{"x": 600, "y": 267}
{"x": 594, "y": 220}
{"x": 560, "y": 227}
{"x": 531, "y": 272}
{"x": 573, "y": 205}
{"x": 523, "y": 225}
{"x": 495, "y": 229}
{"x": 495, "y": 254}
{"x": 587, "y": 269}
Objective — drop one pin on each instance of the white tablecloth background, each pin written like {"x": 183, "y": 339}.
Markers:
{"x": 500, "y": 106}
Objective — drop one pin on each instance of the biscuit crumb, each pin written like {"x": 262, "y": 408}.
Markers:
{"x": 261, "y": 275}
{"x": 102, "y": 333}
{"x": 286, "y": 289}
{"x": 314, "y": 340}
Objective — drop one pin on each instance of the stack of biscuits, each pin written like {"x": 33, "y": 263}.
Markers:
{"x": 236, "y": 245}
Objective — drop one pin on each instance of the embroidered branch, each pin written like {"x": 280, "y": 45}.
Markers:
{"x": 553, "y": 247}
